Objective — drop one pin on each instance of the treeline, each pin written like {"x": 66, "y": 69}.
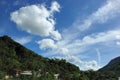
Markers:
{"x": 15, "y": 56}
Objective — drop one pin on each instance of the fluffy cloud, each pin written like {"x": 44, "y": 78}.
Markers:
{"x": 37, "y": 19}
{"x": 47, "y": 43}
{"x": 72, "y": 46}
{"x": 72, "y": 49}
{"x": 23, "y": 40}
{"x": 55, "y": 35}
{"x": 84, "y": 65}
{"x": 55, "y": 7}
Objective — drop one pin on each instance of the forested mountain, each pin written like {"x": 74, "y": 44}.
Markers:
{"x": 109, "y": 72}
{"x": 113, "y": 68}
{"x": 15, "y": 56}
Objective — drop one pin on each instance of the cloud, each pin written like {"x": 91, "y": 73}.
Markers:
{"x": 83, "y": 65}
{"x": 72, "y": 46}
{"x": 80, "y": 45}
{"x": 47, "y": 43}
{"x": 72, "y": 50}
{"x": 55, "y": 35}
{"x": 64, "y": 50}
{"x": 99, "y": 56}
{"x": 118, "y": 37}
{"x": 86, "y": 65}
{"x": 108, "y": 11}
{"x": 55, "y": 7}
{"x": 118, "y": 42}
{"x": 100, "y": 37}
{"x": 23, "y": 40}
{"x": 37, "y": 19}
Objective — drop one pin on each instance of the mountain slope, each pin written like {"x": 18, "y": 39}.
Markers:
{"x": 109, "y": 72}
{"x": 15, "y": 56}
{"x": 113, "y": 67}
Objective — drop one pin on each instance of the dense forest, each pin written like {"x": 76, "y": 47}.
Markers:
{"x": 14, "y": 56}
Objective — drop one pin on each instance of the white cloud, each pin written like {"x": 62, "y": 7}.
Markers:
{"x": 42, "y": 23}
{"x": 47, "y": 43}
{"x": 101, "y": 37}
{"x": 55, "y": 7}
{"x": 78, "y": 46}
{"x": 23, "y": 40}
{"x": 64, "y": 50}
{"x": 37, "y": 19}
{"x": 99, "y": 56}
{"x": 84, "y": 65}
{"x": 107, "y": 12}
{"x": 73, "y": 46}
{"x": 118, "y": 42}
{"x": 55, "y": 35}
{"x": 117, "y": 36}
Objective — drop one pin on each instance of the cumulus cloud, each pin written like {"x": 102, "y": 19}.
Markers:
{"x": 108, "y": 11}
{"x": 73, "y": 49}
{"x": 37, "y": 19}
{"x": 84, "y": 65}
{"x": 23, "y": 40}
{"x": 55, "y": 35}
{"x": 55, "y": 7}
{"x": 64, "y": 50}
{"x": 47, "y": 43}
{"x": 72, "y": 46}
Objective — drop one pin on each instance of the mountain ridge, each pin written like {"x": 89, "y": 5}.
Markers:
{"x": 15, "y": 56}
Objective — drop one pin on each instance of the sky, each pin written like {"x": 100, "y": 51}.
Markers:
{"x": 85, "y": 33}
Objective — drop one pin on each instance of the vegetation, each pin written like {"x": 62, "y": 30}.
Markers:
{"x": 15, "y": 57}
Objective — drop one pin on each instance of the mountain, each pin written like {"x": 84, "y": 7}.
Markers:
{"x": 15, "y": 56}
{"x": 109, "y": 72}
{"x": 113, "y": 67}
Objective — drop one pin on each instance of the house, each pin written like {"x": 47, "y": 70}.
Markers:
{"x": 26, "y": 73}
{"x": 16, "y": 72}
{"x": 56, "y": 76}
{"x": 118, "y": 78}
{"x": 7, "y": 76}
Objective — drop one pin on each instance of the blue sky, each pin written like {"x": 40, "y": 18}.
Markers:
{"x": 85, "y": 33}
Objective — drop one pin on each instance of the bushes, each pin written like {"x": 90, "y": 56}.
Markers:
{"x": 2, "y": 74}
